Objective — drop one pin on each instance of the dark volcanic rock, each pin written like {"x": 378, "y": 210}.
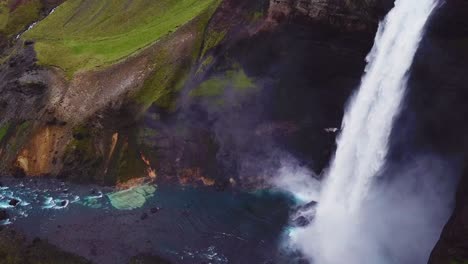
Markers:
{"x": 144, "y": 216}
{"x": 307, "y": 206}
{"x": 347, "y": 15}
{"x": 301, "y": 221}
{"x": 453, "y": 244}
{"x": 436, "y": 116}
{"x": 63, "y": 203}
{"x": 155, "y": 210}
{"x": 14, "y": 202}
{"x": 3, "y": 215}
{"x": 305, "y": 214}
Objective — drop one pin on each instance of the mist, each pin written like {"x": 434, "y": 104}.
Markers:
{"x": 398, "y": 223}
{"x": 361, "y": 216}
{"x": 297, "y": 180}
{"x": 398, "y": 209}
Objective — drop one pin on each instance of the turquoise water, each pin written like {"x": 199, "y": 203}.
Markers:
{"x": 186, "y": 225}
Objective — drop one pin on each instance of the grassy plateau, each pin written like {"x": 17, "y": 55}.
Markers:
{"x": 87, "y": 34}
{"x": 15, "y": 18}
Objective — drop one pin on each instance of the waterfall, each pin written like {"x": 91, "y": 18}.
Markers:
{"x": 338, "y": 233}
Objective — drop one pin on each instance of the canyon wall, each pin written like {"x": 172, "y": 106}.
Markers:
{"x": 89, "y": 115}
{"x": 211, "y": 96}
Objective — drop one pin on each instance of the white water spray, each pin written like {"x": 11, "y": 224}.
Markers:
{"x": 338, "y": 232}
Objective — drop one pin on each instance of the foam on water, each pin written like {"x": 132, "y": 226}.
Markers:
{"x": 22, "y": 198}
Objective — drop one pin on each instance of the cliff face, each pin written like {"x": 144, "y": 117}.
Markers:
{"x": 347, "y": 15}
{"x": 435, "y": 102}
{"x": 64, "y": 102}
{"x": 449, "y": 38}
{"x": 213, "y": 95}
{"x": 84, "y": 100}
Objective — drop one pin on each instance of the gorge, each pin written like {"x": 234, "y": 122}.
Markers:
{"x": 182, "y": 131}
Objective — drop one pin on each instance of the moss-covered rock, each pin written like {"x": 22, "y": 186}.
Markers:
{"x": 3, "y": 131}
{"x": 131, "y": 198}
{"x": 169, "y": 75}
{"x": 128, "y": 161}
{"x": 212, "y": 39}
{"x": 234, "y": 80}
{"x": 459, "y": 262}
{"x": 82, "y": 160}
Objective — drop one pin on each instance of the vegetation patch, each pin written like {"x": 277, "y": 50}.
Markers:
{"x": 256, "y": 16}
{"x": 157, "y": 87}
{"x": 81, "y": 143}
{"x": 240, "y": 80}
{"x": 81, "y": 153}
{"x": 4, "y": 15}
{"x": 233, "y": 79}
{"x": 82, "y": 34}
{"x": 19, "y": 135}
{"x": 459, "y": 262}
{"x": 205, "y": 64}
{"x": 211, "y": 87}
{"x": 172, "y": 70}
{"x": 3, "y": 131}
{"x": 14, "y": 21}
{"x": 130, "y": 164}
{"x": 212, "y": 39}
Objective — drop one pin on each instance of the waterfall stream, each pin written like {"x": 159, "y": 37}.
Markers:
{"x": 338, "y": 233}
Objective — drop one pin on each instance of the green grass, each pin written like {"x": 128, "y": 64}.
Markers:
{"x": 13, "y": 21}
{"x": 235, "y": 79}
{"x": 205, "y": 64}
{"x": 172, "y": 70}
{"x": 4, "y": 15}
{"x": 258, "y": 15}
{"x": 209, "y": 88}
{"x": 459, "y": 262}
{"x": 129, "y": 164}
{"x": 86, "y": 34}
{"x": 164, "y": 83}
{"x": 240, "y": 80}
{"x": 156, "y": 86}
{"x": 3, "y": 131}
{"x": 20, "y": 135}
{"x": 212, "y": 39}
{"x": 81, "y": 143}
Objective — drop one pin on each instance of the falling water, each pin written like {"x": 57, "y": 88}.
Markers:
{"x": 335, "y": 235}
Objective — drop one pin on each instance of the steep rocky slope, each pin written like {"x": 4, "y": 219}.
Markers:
{"x": 90, "y": 101}
{"x": 51, "y": 103}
